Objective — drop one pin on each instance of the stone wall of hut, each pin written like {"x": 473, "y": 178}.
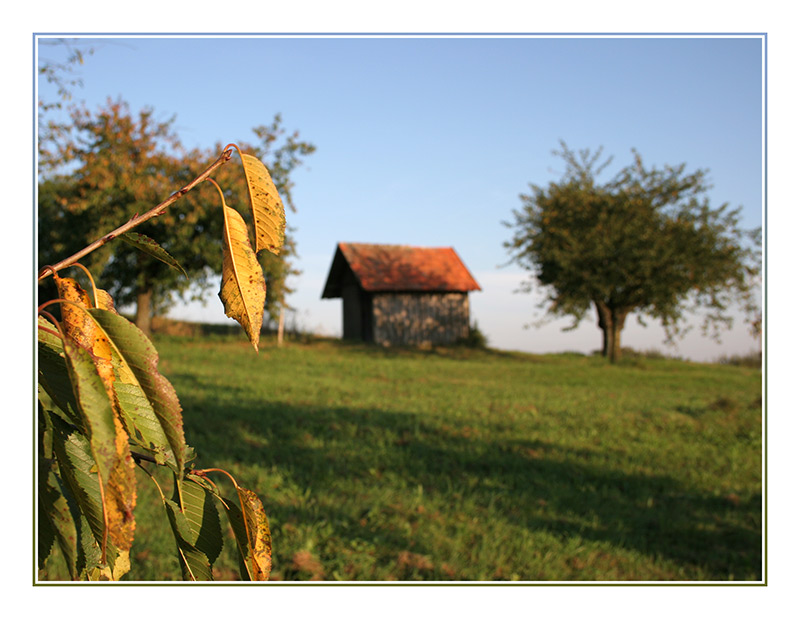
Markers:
{"x": 419, "y": 319}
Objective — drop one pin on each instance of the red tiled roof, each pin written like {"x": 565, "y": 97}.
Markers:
{"x": 383, "y": 268}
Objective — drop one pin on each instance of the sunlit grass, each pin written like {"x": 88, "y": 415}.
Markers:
{"x": 460, "y": 464}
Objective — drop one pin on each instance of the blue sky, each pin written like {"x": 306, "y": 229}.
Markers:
{"x": 430, "y": 141}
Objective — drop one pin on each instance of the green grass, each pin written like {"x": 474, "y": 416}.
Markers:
{"x": 457, "y": 464}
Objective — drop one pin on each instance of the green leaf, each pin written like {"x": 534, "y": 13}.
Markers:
{"x": 53, "y": 376}
{"x": 76, "y": 465}
{"x": 95, "y": 408}
{"x": 203, "y": 519}
{"x": 55, "y": 520}
{"x": 70, "y": 446}
{"x": 79, "y": 473}
{"x": 149, "y": 246}
{"x": 195, "y": 564}
{"x": 107, "y": 438}
{"x": 143, "y": 424}
{"x": 45, "y": 539}
{"x": 90, "y": 558}
{"x": 75, "y": 462}
{"x": 145, "y": 395}
{"x": 197, "y": 531}
{"x": 93, "y": 568}
{"x": 45, "y": 534}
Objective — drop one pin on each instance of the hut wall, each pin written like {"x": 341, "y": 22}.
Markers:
{"x": 351, "y": 313}
{"x": 420, "y": 319}
{"x": 356, "y": 310}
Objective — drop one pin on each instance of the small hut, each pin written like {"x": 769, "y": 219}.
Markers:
{"x": 400, "y": 295}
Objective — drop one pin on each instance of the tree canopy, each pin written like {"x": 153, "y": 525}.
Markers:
{"x": 645, "y": 242}
{"x": 104, "y": 167}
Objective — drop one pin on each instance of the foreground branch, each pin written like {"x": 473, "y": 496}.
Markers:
{"x": 138, "y": 219}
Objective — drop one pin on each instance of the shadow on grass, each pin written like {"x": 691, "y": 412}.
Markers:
{"x": 536, "y": 485}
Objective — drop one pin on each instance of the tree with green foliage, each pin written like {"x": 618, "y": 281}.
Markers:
{"x": 646, "y": 242}
{"x": 110, "y": 165}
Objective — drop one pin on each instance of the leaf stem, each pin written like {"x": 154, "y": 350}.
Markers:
{"x": 140, "y": 456}
{"x": 219, "y": 189}
{"x": 52, "y": 319}
{"x": 50, "y": 331}
{"x": 238, "y": 150}
{"x": 138, "y": 219}
{"x": 203, "y": 471}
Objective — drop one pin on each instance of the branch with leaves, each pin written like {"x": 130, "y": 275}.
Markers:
{"x": 138, "y": 220}
{"x": 105, "y": 409}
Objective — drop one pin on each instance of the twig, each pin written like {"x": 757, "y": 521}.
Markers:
{"x": 138, "y": 457}
{"x": 138, "y": 219}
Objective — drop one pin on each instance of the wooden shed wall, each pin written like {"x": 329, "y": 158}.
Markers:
{"x": 420, "y": 318}
{"x": 356, "y": 310}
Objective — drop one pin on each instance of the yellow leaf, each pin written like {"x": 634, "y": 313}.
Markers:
{"x": 105, "y": 573}
{"x": 120, "y": 493}
{"x": 268, "y": 213}
{"x": 100, "y": 574}
{"x": 82, "y": 329}
{"x": 258, "y": 533}
{"x": 122, "y": 565}
{"x": 77, "y": 324}
{"x": 243, "y": 289}
{"x": 104, "y": 301}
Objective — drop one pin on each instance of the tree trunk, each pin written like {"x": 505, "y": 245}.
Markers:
{"x": 144, "y": 299}
{"x": 602, "y": 323}
{"x": 617, "y": 324}
{"x": 280, "y": 326}
{"x": 611, "y": 322}
{"x": 614, "y": 344}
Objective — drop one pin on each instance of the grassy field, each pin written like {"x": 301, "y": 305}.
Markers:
{"x": 465, "y": 465}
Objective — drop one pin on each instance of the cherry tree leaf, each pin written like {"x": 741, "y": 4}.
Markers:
{"x": 55, "y": 520}
{"x": 143, "y": 393}
{"x": 195, "y": 564}
{"x": 269, "y": 216}
{"x": 149, "y": 246}
{"x": 251, "y": 530}
{"x": 243, "y": 289}
{"x": 196, "y": 528}
{"x": 109, "y": 448}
